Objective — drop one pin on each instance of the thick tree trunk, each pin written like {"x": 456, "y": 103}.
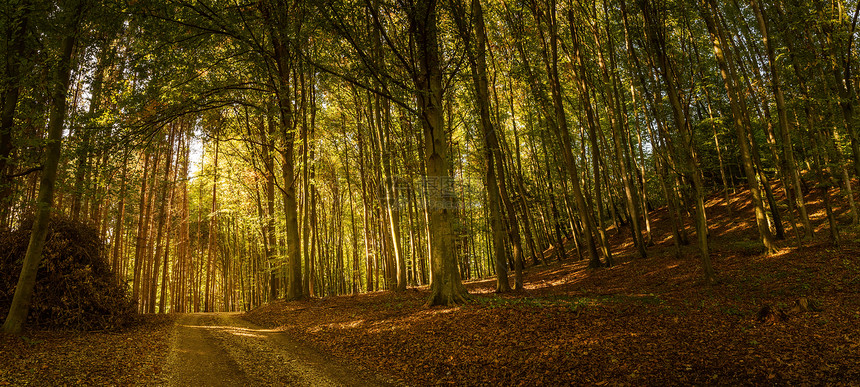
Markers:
{"x": 446, "y": 287}
{"x": 283, "y": 62}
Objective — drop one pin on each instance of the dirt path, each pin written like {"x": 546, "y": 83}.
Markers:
{"x": 221, "y": 349}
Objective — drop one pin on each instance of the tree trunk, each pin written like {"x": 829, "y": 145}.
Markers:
{"x": 790, "y": 163}
{"x": 654, "y": 30}
{"x": 283, "y": 62}
{"x": 721, "y": 51}
{"x": 356, "y": 273}
{"x": 267, "y": 133}
{"x": 171, "y": 191}
{"x": 184, "y": 257}
{"x": 211, "y": 250}
{"x": 20, "y": 306}
{"x": 446, "y": 287}
{"x": 559, "y": 124}
{"x": 117, "y": 238}
{"x": 615, "y": 118}
{"x": 591, "y": 126}
{"x": 477, "y": 62}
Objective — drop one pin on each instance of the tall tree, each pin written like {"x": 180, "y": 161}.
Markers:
{"x": 656, "y": 34}
{"x": 446, "y": 286}
{"x": 283, "y": 23}
{"x": 478, "y": 68}
{"x": 69, "y": 20}
{"x": 729, "y": 74}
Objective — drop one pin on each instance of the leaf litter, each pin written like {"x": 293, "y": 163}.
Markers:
{"x": 133, "y": 355}
{"x": 643, "y": 321}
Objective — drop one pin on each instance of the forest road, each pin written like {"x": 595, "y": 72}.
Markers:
{"x": 222, "y": 349}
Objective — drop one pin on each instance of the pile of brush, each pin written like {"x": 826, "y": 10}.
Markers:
{"x": 75, "y": 286}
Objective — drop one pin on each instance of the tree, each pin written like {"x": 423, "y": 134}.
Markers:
{"x": 282, "y": 23}
{"x": 478, "y": 66}
{"x": 655, "y": 32}
{"x": 69, "y": 19}
{"x": 723, "y": 54}
{"x": 10, "y": 87}
{"x": 445, "y": 285}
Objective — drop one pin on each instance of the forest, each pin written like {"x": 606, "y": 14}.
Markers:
{"x": 227, "y": 155}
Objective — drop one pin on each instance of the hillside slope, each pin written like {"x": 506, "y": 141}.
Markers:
{"x": 786, "y": 318}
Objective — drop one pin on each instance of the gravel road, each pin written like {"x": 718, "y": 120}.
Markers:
{"x": 221, "y": 349}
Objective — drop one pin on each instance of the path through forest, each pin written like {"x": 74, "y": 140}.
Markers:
{"x": 221, "y": 349}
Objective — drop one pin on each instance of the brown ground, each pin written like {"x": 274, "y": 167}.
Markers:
{"x": 221, "y": 349}
{"x": 641, "y": 322}
{"x": 134, "y": 356}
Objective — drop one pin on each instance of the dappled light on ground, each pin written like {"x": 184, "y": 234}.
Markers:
{"x": 651, "y": 321}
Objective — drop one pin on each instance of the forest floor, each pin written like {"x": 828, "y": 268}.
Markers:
{"x": 67, "y": 358}
{"x": 641, "y": 322}
{"x": 646, "y": 321}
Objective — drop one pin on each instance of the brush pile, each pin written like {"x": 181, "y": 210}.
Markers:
{"x": 75, "y": 286}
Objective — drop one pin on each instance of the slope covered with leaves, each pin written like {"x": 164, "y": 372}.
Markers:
{"x": 787, "y": 318}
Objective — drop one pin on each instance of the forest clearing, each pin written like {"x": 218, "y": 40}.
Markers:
{"x": 467, "y": 192}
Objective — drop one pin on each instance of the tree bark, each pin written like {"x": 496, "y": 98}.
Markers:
{"x": 281, "y": 30}
{"x": 211, "y": 250}
{"x": 446, "y": 287}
